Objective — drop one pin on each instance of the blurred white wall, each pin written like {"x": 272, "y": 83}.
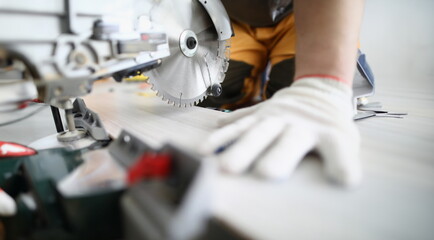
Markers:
{"x": 398, "y": 38}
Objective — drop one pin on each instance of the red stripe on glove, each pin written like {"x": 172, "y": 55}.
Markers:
{"x": 324, "y": 76}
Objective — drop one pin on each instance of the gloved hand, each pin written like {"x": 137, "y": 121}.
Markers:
{"x": 99, "y": 171}
{"x": 8, "y": 206}
{"x": 313, "y": 114}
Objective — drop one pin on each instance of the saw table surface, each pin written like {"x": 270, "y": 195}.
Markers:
{"x": 395, "y": 200}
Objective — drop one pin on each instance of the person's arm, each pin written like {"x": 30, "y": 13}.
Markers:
{"x": 327, "y": 37}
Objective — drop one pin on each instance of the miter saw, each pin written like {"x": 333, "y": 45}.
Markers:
{"x": 56, "y": 50}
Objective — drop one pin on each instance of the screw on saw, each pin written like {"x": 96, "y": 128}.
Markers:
{"x": 191, "y": 42}
{"x": 72, "y": 134}
{"x": 215, "y": 90}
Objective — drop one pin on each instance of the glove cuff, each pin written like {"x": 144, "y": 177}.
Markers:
{"x": 326, "y": 83}
{"x": 326, "y": 89}
{"x": 324, "y": 76}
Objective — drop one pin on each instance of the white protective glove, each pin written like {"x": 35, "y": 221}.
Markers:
{"x": 313, "y": 114}
{"x": 98, "y": 172}
{"x": 8, "y": 206}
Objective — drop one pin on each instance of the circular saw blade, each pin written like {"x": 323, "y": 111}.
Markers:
{"x": 185, "y": 76}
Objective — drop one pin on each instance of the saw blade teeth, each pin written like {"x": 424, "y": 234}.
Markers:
{"x": 205, "y": 68}
{"x": 153, "y": 87}
{"x": 203, "y": 99}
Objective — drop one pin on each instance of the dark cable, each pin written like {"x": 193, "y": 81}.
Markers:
{"x": 22, "y": 118}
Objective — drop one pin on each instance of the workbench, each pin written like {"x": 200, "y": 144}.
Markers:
{"x": 395, "y": 201}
